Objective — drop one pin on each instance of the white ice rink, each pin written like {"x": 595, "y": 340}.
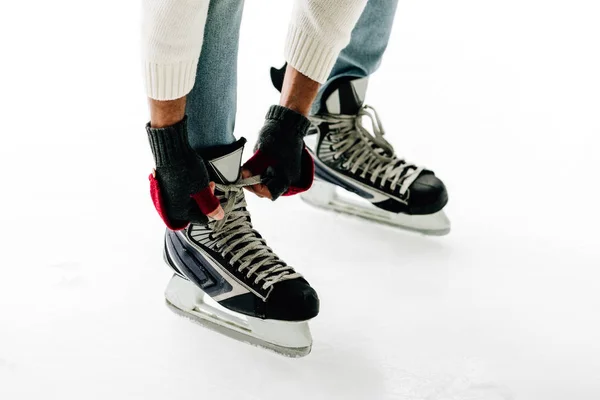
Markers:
{"x": 501, "y": 99}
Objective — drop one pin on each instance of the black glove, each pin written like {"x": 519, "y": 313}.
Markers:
{"x": 280, "y": 157}
{"x": 180, "y": 184}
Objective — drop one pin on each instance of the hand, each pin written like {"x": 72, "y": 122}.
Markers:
{"x": 281, "y": 158}
{"x": 179, "y": 185}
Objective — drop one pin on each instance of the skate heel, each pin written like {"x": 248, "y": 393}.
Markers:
{"x": 321, "y": 194}
{"x": 183, "y": 294}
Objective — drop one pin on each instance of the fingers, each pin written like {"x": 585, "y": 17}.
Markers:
{"x": 208, "y": 203}
{"x": 259, "y": 189}
{"x": 218, "y": 213}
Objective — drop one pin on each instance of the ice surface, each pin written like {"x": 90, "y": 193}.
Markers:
{"x": 500, "y": 98}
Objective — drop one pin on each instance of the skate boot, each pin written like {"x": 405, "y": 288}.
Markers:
{"x": 227, "y": 278}
{"x": 375, "y": 183}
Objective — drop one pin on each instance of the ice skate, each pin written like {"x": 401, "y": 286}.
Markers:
{"x": 226, "y": 277}
{"x": 357, "y": 171}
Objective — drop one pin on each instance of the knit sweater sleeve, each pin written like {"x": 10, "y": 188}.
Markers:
{"x": 318, "y": 31}
{"x": 172, "y": 34}
{"x": 173, "y": 31}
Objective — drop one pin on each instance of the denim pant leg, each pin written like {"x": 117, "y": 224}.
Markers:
{"x": 367, "y": 44}
{"x": 211, "y": 105}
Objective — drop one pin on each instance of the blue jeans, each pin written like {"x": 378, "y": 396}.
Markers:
{"x": 211, "y": 105}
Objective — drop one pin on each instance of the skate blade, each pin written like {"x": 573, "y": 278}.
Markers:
{"x": 290, "y": 339}
{"x": 328, "y": 196}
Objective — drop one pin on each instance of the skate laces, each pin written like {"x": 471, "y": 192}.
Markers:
{"x": 234, "y": 234}
{"x": 366, "y": 151}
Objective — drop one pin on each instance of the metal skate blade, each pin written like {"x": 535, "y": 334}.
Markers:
{"x": 328, "y": 196}
{"x": 268, "y": 334}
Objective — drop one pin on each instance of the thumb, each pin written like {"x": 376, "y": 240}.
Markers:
{"x": 218, "y": 213}
{"x": 208, "y": 203}
{"x": 276, "y": 183}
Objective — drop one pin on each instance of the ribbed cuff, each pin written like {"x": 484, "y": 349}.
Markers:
{"x": 290, "y": 119}
{"x": 169, "y": 81}
{"x": 308, "y": 55}
{"x": 169, "y": 145}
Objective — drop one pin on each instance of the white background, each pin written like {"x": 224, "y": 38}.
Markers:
{"x": 500, "y": 98}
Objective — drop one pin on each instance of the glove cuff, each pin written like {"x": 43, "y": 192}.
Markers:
{"x": 289, "y": 119}
{"x": 169, "y": 145}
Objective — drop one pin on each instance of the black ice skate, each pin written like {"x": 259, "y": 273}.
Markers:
{"x": 229, "y": 280}
{"x": 376, "y": 184}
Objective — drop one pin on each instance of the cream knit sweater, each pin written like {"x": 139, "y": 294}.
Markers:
{"x": 173, "y": 31}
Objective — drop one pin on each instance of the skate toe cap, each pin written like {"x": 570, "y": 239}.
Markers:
{"x": 428, "y": 194}
{"x": 293, "y": 300}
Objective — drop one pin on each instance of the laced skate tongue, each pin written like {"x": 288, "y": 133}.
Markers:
{"x": 344, "y": 96}
{"x": 246, "y": 238}
{"x": 223, "y": 162}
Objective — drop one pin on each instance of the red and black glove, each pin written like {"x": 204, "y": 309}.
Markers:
{"x": 180, "y": 184}
{"x": 280, "y": 157}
